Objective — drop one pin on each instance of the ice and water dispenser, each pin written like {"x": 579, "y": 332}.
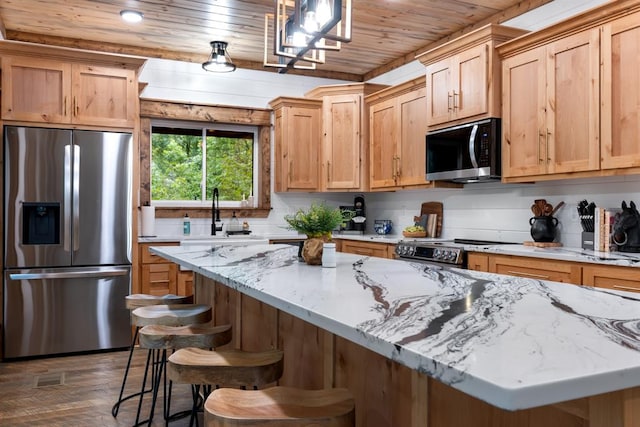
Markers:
{"x": 41, "y": 223}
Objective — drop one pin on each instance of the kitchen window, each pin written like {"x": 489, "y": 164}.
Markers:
{"x": 189, "y": 159}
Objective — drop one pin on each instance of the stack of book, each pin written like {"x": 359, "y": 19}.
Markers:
{"x": 604, "y": 221}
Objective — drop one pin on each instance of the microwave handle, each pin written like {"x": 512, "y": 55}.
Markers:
{"x": 472, "y": 146}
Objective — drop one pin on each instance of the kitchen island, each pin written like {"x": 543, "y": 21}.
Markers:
{"x": 425, "y": 346}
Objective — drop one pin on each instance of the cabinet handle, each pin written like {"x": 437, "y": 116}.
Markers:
{"x": 397, "y": 166}
{"x": 547, "y": 146}
{"x": 76, "y": 107}
{"x": 363, "y": 251}
{"x": 455, "y": 102}
{"x": 449, "y": 97}
{"x": 289, "y": 171}
{"x": 626, "y": 288}
{"x": 522, "y": 273}
{"x": 328, "y": 171}
{"x": 64, "y": 106}
{"x": 540, "y": 135}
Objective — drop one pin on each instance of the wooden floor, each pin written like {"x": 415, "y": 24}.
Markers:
{"x": 77, "y": 391}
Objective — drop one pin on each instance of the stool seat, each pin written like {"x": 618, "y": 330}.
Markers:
{"x": 171, "y": 315}
{"x": 280, "y": 406}
{"x": 225, "y": 368}
{"x": 134, "y": 301}
{"x": 177, "y": 337}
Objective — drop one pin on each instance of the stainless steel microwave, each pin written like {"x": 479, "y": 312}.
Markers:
{"x": 465, "y": 153}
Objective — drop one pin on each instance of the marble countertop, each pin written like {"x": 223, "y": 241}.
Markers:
{"x": 515, "y": 343}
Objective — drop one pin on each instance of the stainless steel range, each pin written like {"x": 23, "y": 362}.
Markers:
{"x": 450, "y": 252}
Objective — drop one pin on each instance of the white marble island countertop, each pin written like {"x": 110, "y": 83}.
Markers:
{"x": 515, "y": 343}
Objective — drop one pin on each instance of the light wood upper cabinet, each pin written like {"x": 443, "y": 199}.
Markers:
{"x": 104, "y": 96}
{"x": 551, "y": 108}
{"x": 571, "y": 96}
{"x": 345, "y": 142}
{"x": 620, "y": 87}
{"x": 342, "y": 146}
{"x": 397, "y": 129}
{"x": 37, "y": 90}
{"x": 52, "y": 91}
{"x": 463, "y": 77}
{"x": 457, "y": 86}
{"x": 297, "y": 143}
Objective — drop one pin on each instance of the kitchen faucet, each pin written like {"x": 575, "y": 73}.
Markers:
{"x": 215, "y": 212}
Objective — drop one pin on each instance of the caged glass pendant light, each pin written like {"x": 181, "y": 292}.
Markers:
{"x": 219, "y": 60}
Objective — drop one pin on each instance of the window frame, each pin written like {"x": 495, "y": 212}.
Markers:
{"x": 204, "y": 126}
{"x": 151, "y": 109}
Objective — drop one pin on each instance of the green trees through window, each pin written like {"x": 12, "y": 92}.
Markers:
{"x": 187, "y": 163}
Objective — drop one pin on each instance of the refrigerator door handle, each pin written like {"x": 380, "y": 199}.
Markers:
{"x": 76, "y": 197}
{"x": 66, "y": 238}
{"x": 69, "y": 274}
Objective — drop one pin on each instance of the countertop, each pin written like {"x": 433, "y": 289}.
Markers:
{"x": 625, "y": 259}
{"x": 515, "y": 343}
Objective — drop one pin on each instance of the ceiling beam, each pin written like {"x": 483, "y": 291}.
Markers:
{"x": 163, "y": 54}
{"x": 3, "y": 30}
{"x": 505, "y": 15}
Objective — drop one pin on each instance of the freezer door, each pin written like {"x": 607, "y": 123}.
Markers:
{"x": 102, "y": 198}
{"x": 65, "y": 310}
{"x": 36, "y": 174}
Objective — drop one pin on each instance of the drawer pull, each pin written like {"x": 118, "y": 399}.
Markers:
{"x": 626, "y": 288}
{"x": 522, "y": 273}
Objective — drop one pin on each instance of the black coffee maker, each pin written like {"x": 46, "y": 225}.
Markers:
{"x": 355, "y": 217}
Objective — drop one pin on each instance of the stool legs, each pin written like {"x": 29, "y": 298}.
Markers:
{"x": 116, "y": 407}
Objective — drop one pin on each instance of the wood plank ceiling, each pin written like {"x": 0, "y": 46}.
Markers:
{"x": 386, "y": 33}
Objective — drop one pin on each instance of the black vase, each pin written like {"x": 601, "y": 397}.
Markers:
{"x": 543, "y": 228}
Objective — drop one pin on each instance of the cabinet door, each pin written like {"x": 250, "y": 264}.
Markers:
{"x": 469, "y": 93}
{"x": 36, "y": 90}
{"x": 104, "y": 96}
{"x": 573, "y": 108}
{"x": 342, "y": 149}
{"x": 411, "y": 153}
{"x": 620, "y": 113}
{"x": 618, "y": 278}
{"x": 478, "y": 262}
{"x": 302, "y": 141}
{"x": 383, "y": 135}
{"x": 184, "y": 283}
{"x": 523, "y": 114}
{"x": 542, "y": 269}
{"x": 439, "y": 98}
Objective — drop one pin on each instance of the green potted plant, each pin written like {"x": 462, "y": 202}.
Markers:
{"x": 317, "y": 223}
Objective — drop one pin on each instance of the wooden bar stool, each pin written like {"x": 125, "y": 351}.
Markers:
{"x": 280, "y": 406}
{"x": 162, "y": 337}
{"x": 132, "y": 302}
{"x": 223, "y": 368}
{"x": 164, "y": 315}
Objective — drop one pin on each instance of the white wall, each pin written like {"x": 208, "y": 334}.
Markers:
{"x": 492, "y": 211}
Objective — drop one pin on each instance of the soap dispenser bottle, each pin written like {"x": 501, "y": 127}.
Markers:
{"x": 186, "y": 225}
{"x": 234, "y": 224}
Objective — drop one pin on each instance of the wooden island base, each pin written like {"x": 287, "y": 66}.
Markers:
{"x": 387, "y": 393}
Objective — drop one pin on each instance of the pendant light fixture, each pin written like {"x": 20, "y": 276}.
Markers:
{"x": 219, "y": 60}
{"x": 303, "y": 30}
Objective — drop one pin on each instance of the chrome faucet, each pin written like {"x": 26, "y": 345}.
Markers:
{"x": 215, "y": 212}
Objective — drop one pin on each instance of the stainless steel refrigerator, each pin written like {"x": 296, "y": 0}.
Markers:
{"x": 67, "y": 229}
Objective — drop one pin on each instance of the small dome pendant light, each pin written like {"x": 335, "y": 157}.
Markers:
{"x": 131, "y": 16}
{"x": 219, "y": 60}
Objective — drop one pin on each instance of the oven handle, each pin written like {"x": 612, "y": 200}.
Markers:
{"x": 69, "y": 274}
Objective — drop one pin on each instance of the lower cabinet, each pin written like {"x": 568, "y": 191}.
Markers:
{"x": 159, "y": 276}
{"x": 601, "y": 276}
{"x": 380, "y": 250}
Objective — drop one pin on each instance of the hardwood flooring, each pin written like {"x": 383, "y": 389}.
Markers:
{"x": 78, "y": 391}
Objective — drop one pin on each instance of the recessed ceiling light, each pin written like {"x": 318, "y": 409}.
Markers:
{"x": 132, "y": 16}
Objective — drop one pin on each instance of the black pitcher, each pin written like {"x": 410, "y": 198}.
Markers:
{"x": 543, "y": 228}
